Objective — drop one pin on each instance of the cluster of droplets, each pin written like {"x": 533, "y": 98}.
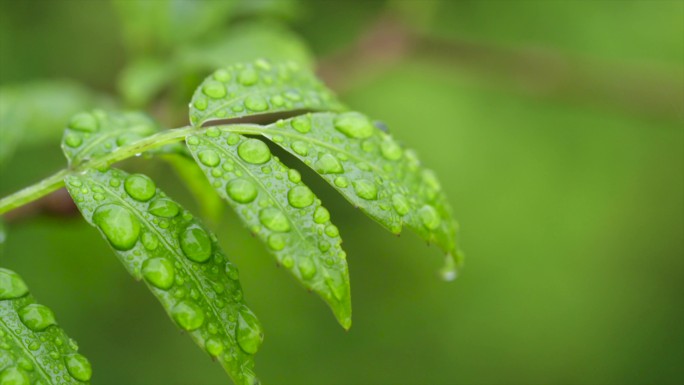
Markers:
{"x": 160, "y": 242}
{"x": 90, "y": 134}
{"x": 256, "y": 88}
{"x": 30, "y": 327}
{"x": 277, "y": 207}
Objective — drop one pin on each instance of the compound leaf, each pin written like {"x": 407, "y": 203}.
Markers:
{"x": 278, "y": 208}
{"x": 259, "y": 87}
{"x": 33, "y": 348}
{"x": 92, "y": 134}
{"x": 179, "y": 260}
{"x": 374, "y": 172}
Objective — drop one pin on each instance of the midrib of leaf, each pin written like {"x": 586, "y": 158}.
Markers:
{"x": 169, "y": 247}
{"x": 24, "y": 348}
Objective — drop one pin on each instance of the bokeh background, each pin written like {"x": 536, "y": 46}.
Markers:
{"x": 556, "y": 128}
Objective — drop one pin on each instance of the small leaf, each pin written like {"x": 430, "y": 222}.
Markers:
{"x": 33, "y": 348}
{"x": 371, "y": 170}
{"x": 278, "y": 208}
{"x": 179, "y": 260}
{"x": 258, "y": 88}
{"x": 92, "y": 134}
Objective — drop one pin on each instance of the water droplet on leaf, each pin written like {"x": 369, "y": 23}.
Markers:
{"x": 140, "y": 187}
{"x": 79, "y": 367}
{"x": 354, "y": 125}
{"x": 209, "y": 158}
{"x": 118, "y": 224}
{"x": 365, "y": 189}
{"x": 37, "y": 317}
{"x": 163, "y": 207}
{"x": 195, "y": 243}
{"x": 274, "y": 219}
{"x": 249, "y": 332}
{"x": 300, "y": 196}
{"x": 158, "y": 272}
{"x": 241, "y": 190}
{"x": 254, "y": 151}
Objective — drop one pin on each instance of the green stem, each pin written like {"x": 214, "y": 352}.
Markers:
{"x": 148, "y": 143}
{"x": 33, "y": 192}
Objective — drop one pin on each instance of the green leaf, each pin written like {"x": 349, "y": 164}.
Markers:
{"x": 35, "y": 113}
{"x": 92, "y": 134}
{"x": 373, "y": 172}
{"x": 33, "y": 348}
{"x": 244, "y": 43}
{"x": 258, "y": 88}
{"x": 179, "y": 260}
{"x": 278, "y": 208}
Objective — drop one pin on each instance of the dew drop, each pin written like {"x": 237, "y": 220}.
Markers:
{"x": 158, "y": 272}
{"x": 241, "y": 190}
{"x": 188, "y": 315}
{"x": 321, "y": 215}
{"x": 276, "y": 241}
{"x": 249, "y": 332}
{"x": 79, "y": 367}
{"x": 365, "y": 189}
{"x": 300, "y": 197}
{"x": 164, "y": 207}
{"x": 274, "y": 219}
{"x": 254, "y": 151}
{"x": 37, "y": 317}
{"x": 214, "y": 90}
{"x": 354, "y": 125}
{"x": 214, "y": 347}
{"x": 140, "y": 187}
{"x": 307, "y": 268}
{"x": 341, "y": 182}
{"x": 337, "y": 286}
{"x": 118, "y": 224}
{"x": 328, "y": 164}
{"x": 73, "y": 140}
{"x": 209, "y": 158}
{"x": 83, "y": 122}
{"x": 195, "y": 243}
{"x": 300, "y": 148}
{"x": 331, "y": 230}
{"x": 294, "y": 176}
{"x": 149, "y": 240}
{"x": 390, "y": 149}
{"x": 14, "y": 376}
{"x": 222, "y": 75}
{"x": 256, "y": 103}
{"x": 11, "y": 285}
{"x": 302, "y": 124}
{"x": 248, "y": 77}
{"x": 429, "y": 216}
{"x": 400, "y": 204}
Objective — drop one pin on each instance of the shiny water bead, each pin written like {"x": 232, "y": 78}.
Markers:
{"x": 222, "y": 75}
{"x": 430, "y": 217}
{"x": 192, "y": 141}
{"x": 188, "y": 315}
{"x": 341, "y": 181}
{"x": 118, "y": 224}
{"x": 302, "y": 124}
{"x": 159, "y": 272}
{"x": 73, "y": 140}
{"x": 241, "y": 190}
{"x": 294, "y": 176}
{"x": 274, "y": 219}
{"x": 300, "y": 196}
{"x": 214, "y": 346}
{"x": 201, "y": 104}
{"x": 365, "y": 189}
{"x": 11, "y": 285}
{"x": 214, "y": 90}
{"x": 14, "y": 376}
{"x": 400, "y": 204}
{"x": 140, "y": 187}
{"x": 254, "y": 151}
{"x": 288, "y": 262}
{"x": 233, "y": 139}
{"x": 209, "y": 158}
{"x": 321, "y": 215}
{"x": 390, "y": 149}
{"x": 37, "y": 317}
{"x": 354, "y": 125}
{"x": 300, "y": 148}
{"x": 195, "y": 243}
{"x": 149, "y": 241}
{"x": 248, "y": 77}
{"x": 79, "y": 367}
{"x": 331, "y": 230}
{"x": 276, "y": 241}
{"x": 256, "y": 103}
{"x": 328, "y": 164}
{"x": 249, "y": 332}
{"x": 164, "y": 207}
{"x": 306, "y": 268}
{"x": 84, "y": 122}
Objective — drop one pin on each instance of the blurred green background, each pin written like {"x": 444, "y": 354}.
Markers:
{"x": 556, "y": 128}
